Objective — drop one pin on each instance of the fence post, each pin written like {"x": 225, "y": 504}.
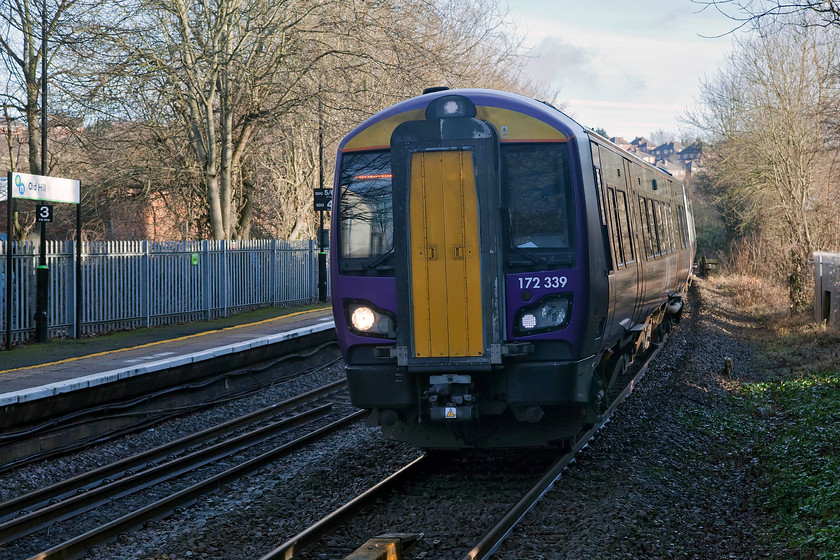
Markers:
{"x": 272, "y": 274}
{"x": 313, "y": 266}
{"x": 147, "y": 303}
{"x": 71, "y": 288}
{"x": 206, "y": 283}
{"x": 223, "y": 284}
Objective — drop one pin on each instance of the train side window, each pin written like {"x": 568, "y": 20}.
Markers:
{"x": 624, "y": 226}
{"x": 656, "y": 236}
{"x": 598, "y": 189}
{"x": 666, "y": 226}
{"x": 680, "y": 219}
{"x": 645, "y": 243}
{"x": 672, "y": 228}
{"x": 616, "y": 235}
{"x": 644, "y": 218}
{"x": 654, "y": 250}
{"x": 663, "y": 228}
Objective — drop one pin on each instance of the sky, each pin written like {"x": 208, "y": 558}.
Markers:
{"x": 631, "y": 67}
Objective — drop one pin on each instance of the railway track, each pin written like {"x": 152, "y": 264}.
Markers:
{"x": 493, "y": 538}
{"x": 308, "y": 539}
{"x": 249, "y": 436}
{"x": 25, "y": 442}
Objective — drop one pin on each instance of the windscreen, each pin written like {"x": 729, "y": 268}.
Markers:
{"x": 366, "y": 223}
{"x": 538, "y": 188}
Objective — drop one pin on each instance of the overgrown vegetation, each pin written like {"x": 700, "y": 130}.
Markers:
{"x": 771, "y": 119}
{"x": 799, "y": 464}
{"x": 787, "y": 421}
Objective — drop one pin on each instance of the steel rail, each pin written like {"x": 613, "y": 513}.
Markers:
{"x": 494, "y": 538}
{"x": 85, "y": 501}
{"x": 120, "y": 418}
{"x": 76, "y": 547}
{"x": 309, "y": 537}
{"x": 88, "y": 480}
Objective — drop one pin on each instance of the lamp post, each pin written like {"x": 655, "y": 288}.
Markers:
{"x": 42, "y": 277}
{"x": 322, "y": 255}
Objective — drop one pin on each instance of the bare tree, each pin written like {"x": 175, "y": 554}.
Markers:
{"x": 22, "y": 56}
{"x": 215, "y": 106}
{"x": 379, "y": 53}
{"x": 770, "y": 14}
{"x": 769, "y": 113}
{"x": 216, "y": 68}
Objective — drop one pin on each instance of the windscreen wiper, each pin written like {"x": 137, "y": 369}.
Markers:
{"x": 540, "y": 261}
{"x": 505, "y": 211}
{"x": 380, "y": 259}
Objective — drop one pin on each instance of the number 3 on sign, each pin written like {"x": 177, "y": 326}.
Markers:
{"x": 45, "y": 213}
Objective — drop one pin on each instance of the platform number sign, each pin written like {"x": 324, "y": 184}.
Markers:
{"x": 44, "y": 213}
{"x": 323, "y": 199}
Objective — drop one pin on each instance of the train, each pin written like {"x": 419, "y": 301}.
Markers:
{"x": 495, "y": 267}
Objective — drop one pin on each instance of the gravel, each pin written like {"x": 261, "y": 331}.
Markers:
{"x": 654, "y": 483}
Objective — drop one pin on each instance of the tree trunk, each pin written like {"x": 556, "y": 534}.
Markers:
{"x": 799, "y": 296}
{"x": 214, "y": 206}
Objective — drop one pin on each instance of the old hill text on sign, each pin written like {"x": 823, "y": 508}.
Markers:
{"x": 38, "y": 187}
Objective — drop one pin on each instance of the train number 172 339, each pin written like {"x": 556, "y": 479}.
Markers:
{"x": 537, "y": 282}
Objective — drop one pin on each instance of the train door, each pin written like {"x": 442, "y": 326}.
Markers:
{"x": 444, "y": 237}
{"x": 446, "y": 199}
{"x": 606, "y": 227}
{"x": 635, "y": 239}
{"x": 625, "y": 292}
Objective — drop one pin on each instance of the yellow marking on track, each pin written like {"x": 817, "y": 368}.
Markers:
{"x": 147, "y": 345}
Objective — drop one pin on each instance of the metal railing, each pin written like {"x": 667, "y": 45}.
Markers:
{"x": 133, "y": 284}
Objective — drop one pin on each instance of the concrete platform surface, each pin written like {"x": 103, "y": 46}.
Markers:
{"x": 40, "y": 370}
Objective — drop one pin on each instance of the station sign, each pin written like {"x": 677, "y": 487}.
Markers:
{"x": 44, "y": 213}
{"x": 50, "y": 189}
{"x": 323, "y": 199}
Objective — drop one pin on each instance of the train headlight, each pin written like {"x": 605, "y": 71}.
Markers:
{"x": 529, "y": 321}
{"x": 554, "y": 312}
{"x": 363, "y": 318}
{"x": 450, "y": 106}
{"x": 548, "y": 314}
{"x": 366, "y": 319}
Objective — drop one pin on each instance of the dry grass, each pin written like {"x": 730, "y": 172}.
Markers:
{"x": 755, "y": 296}
{"x": 791, "y": 344}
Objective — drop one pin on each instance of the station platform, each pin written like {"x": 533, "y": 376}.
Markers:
{"x": 49, "y": 369}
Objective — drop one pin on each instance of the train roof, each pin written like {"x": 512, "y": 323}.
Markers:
{"x": 414, "y": 109}
{"x": 375, "y": 131}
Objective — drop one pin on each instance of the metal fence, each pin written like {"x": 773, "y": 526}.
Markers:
{"x": 132, "y": 284}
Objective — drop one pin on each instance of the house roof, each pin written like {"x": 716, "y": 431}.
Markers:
{"x": 695, "y": 149}
{"x": 671, "y": 147}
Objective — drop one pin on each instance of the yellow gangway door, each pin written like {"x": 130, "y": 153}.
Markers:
{"x": 445, "y": 265}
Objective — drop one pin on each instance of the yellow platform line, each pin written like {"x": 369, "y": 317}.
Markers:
{"x": 148, "y": 344}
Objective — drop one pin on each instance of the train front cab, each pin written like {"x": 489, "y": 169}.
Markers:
{"x": 467, "y": 291}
